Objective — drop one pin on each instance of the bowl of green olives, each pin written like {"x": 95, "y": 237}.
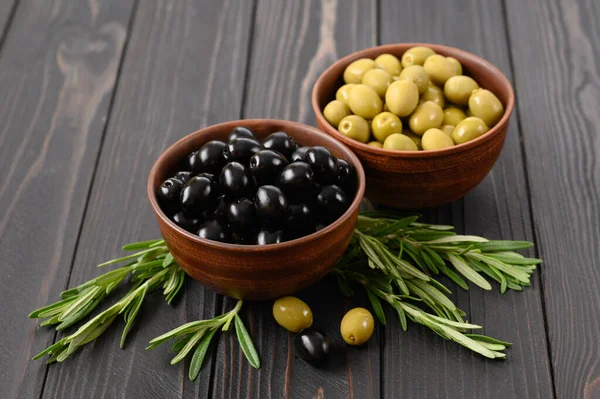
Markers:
{"x": 427, "y": 121}
{"x": 257, "y": 209}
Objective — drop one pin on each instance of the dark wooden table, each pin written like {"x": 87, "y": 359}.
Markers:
{"x": 94, "y": 90}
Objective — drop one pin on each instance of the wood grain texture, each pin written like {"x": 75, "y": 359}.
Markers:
{"x": 419, "y": 364}
{"x": 7, "y": 10}
{"x": 183, "y": 69}
{"x": 58, "y": 67}
{"x": 558, "y": 85}
{"x": 293, "y": 42}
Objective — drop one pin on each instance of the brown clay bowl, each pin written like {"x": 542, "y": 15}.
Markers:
{"x": 405, "y": 179}
{"x": 249, "y": 271}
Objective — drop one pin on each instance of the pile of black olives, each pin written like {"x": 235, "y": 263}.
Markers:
{"x": 247, "y": 192}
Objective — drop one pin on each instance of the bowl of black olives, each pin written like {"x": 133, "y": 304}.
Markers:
{"x": 257, "y": 209}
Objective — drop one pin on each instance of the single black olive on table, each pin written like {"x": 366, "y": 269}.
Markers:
{"x": 269, "y": 236}
{"x": 299, "y": 153}
{"x": 183, "y": 176}
{"x": 241, "y": 150}
{"x": 242, "y": 214}
{"x": 297, "y": 179}
{"x": 187, "y": 222}
{"x": 271, "y": 204}
{"x": 312, "y": 346}
{"x": 323, "y": 163}
{"x": 215, "y": 230}
{"x": 235, "y": 180}
{"x": 241, "y": 132}
{"x": 332, "y": 202}
{"x": 280, "y": 142}
{"x": 199, "y": 194}
{"x": 266, "y": 166}
{"x": 168, "y": 194}
{"x": 209, "y": 158}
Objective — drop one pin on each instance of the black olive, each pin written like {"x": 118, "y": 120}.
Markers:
{"x": 235, "y": 180}
{"x": 183, "y": 176}
{"x": 280, "y": 142}
{"x": 271, "y": 204}
{"x": 199, "y": 194}
{"x": 332, "y": 202}
{"x": 193, "y": 163}
{"x": 323, "y": 163}
{"x": 215, "y": 230}
{"x": 220, "y": 208}
{"x": 209, "y": 158}
{"x": 241, "y": 149}
{"x": 187, "y": 222}
{"x": 241, "y": 131}
{"x": 346, "y": 178}
{"x": 299, "y": 154}
{"x": 313, "y": 346}
{"x": 269, "y": 236}
{"x": 320, "y": 226}
{"x": 209, "y": 176}
{"x": 299, "y": 214}
{"x": 168, "y": 195}
{"x": 297, "y": 179}
{"x": 242, "y": 214}
{"x": 265, "y": 166}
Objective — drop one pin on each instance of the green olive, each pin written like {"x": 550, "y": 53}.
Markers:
{"x": 385, "y": 124}
{"x": 292, "y": 314}
{"x": 335, "y": 111}
{"x": 456, "y": 64}
{"x": 453, "y": 116}
{"x": 343, "y": 93}
{"x": 364, "y": 101}
{"x": 402, "y": 97}
{"x": 469, "y": 129}
{"x": 378, "y": 80}
{"x": 355, "y": 71}
{"x": 439, "y": 69}
{"x": 416, "y": 139}
{"x": 427, "y": 115}
{"x": 458, "y": 89}
{"x": 468, "y": 112}
{"x": 416, "y": 56}
{"x": 375, "y": 144}
{"x": 447, "y": 129}
{"x": 399, "y": 142}
{"x": 357, "y": 326}
{"x": 355, "y": 127}
{"x": 417, "y": 74}
{"x": 485, "y": 105}
{"x": 435, "y": 139}
{"x": 388, "y": 63}
{"x": 385, "y": 108}
{"x": 434, "y": 94}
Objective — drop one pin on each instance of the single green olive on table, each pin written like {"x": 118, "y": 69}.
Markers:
{"x": 426, "y": 88}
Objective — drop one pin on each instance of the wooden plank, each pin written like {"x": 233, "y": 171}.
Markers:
{"x": 418, "y": 363}
{"x": 557, "y": 77}
{"x": 184, "y": 68}
{"x": 293, "y": 42}
{"x": 7, "y": 10}
{"x": 58, "y": 67}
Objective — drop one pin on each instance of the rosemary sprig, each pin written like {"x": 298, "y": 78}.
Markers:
{"x": 198, "y": 334}
{"x": 151, "y": 268}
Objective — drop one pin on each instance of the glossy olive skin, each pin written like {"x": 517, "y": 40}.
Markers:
{"x": 215, "y": 230}
{"x": 357, "y": 326}
{"x": 457, "y": 65}
{"x": 388, "y": 63}
{"x": 415, "y": 138}
{"x": 240, "y": 132}
{"x": 266, "y": 166}
{"x": 418, "y": 75}
{"x": 299, "y": 214}
{"x": 399, "y": 142}
{"x": 323, "y": 164}
{"x": 292, "y": 314}
{"x": 187, "y": 222}
{"x": 458, "y": 89}
{"x": 435, "y": 139}
{"x": 241, "y": 149}
{"x": 183, "y": 176}
{"x": 332, "y": 202}
{"x": 355, "y": 71}
{"x": 447, "y": 130}
{"x": 453, "y": 116}
{"x": 242, "y": 214}
{"x": 469, "y": 129}
{"x": 378, "y": 80}
{"x": 439, "y": 69}
{"x": 271, "y": 204}
{"x": 384, "y": 124}
{"x": 335, "y": 111}
{"x": 220, "y": 208}
{"x": 416, "y": 56}
{"x": 343, "y": 93}
{"x": 280, "y": 142}
{"x": 299, "y": 154}
{"x": 346, "y": 177}
{"x": 355, "y": 127}
{"x": 313, "y": 346}
{"x": 235, "y": 180}
{"x": 485, "y": 105}
{"x": 364, "y": 101}
{"x": 209, "y": 158}
{"x": 168, "y": 194}
{"x": 402, "y": 97}
{"x": 269, "y": 236}
{"x": 199, "y": 193}
{"x": 297, "y": 179}
{"x": 433, "y": 94}
{"x": 375, "y": 144}
{"x": 427, "y": 115}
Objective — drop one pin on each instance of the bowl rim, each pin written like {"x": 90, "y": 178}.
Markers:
{"x": 351, "y": 158}
{"x": 388, "y": 48}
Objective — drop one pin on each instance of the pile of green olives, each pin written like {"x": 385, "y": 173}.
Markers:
{"x": 249, "y": 192}
{"x": 419, "y": 102}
